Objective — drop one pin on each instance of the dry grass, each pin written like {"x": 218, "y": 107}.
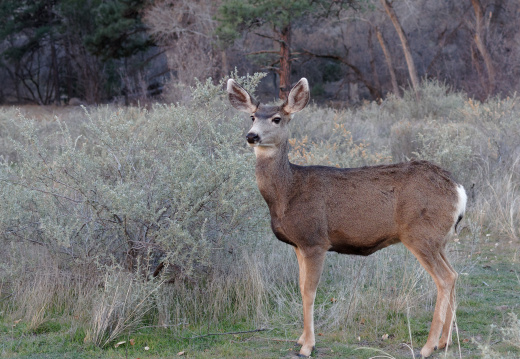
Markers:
{"x": 121, "y": 306}
{"x": 39, "y": 290}
{"x": 503, "y": 202}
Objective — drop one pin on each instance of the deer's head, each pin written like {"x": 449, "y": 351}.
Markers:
{"x": 269, "y": 129}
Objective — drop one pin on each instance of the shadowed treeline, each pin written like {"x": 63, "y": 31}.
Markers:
{"x": 129, "y": 51}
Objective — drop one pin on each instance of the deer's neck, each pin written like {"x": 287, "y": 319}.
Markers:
{"x": 274, "y": 177}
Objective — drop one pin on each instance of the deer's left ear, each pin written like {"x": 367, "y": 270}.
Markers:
{"x": 298, "y": 97}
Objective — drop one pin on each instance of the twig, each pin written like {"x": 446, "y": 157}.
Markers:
{"x": 263, "y": 52}
{"x": 42, "y": 191}
{"x": 228, "y": 333}
{"x": 6, "y": 297}
{"x": 269, "y": 37}
{"x": 278, "y": 340}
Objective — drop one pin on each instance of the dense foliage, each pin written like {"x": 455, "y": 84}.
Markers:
{"x": 69, "y": 48}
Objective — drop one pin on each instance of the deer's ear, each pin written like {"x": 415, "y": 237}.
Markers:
{"x": 240, "y": 98}
{"x": 298, "y": 97}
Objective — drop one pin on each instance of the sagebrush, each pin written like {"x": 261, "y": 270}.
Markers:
{"x": 173, "y": 186}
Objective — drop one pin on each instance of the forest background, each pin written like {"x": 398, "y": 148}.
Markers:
{"x": 131, "y": 226}
{"x": 128, "y": 50}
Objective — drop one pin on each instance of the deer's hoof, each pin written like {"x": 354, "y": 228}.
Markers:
{"x": 443, "y": 344}
{"x": 306, "y": 351}
{"x": 300, "y": 341}
{"x": 427, "y": 350}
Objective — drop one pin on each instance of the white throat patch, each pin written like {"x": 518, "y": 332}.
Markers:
{"x": 265, "y": 150}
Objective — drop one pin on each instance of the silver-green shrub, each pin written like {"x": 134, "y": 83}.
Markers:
{"x": 172, "y": 181}
{"x": 97, "y": 193}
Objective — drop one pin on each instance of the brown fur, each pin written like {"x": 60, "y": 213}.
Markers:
{"x": 352, "y": 210}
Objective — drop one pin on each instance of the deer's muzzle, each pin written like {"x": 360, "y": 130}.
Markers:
{"x": 252, "y": 138}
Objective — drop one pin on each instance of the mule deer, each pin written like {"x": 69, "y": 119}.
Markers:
{"x": 352, "y": 210}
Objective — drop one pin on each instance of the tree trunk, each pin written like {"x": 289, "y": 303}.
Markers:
{"x": 479, "y": 34}
{"x": 475, "y": 60}
{"x": 285, "y": 62}
{"x": 377, "y": 84}
{"x": 224, "y": 70}
{"x": 404, "y": 43}
{"x": 55, "y": 72}
{"x": 69, "y": 72}
{"x": 389, "y": 62}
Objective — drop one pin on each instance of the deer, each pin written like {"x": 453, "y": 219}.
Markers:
{"x": 356, "y": 211}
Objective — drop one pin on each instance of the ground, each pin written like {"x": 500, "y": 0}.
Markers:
{"x": 488, "y": 290}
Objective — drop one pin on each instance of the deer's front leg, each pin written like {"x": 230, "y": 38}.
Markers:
{"x": 301, "y": 280}
{"x": 313, "y": 260}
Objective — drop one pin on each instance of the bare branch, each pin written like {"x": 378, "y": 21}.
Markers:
{"x": 262, "y": 52}
{"x": 373, "y": 90}
{"x": 268, "y": 37}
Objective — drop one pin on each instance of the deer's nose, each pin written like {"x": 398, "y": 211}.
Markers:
{"x": 252, "y": 137}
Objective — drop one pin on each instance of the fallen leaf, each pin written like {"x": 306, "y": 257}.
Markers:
{"x": 362, "y": 321}
{"x": 181, "y": 353}
{"x": 119, "y": 343}
{"x": 465, "y": 341}
{"x": 132, "y": 342}
{"x": 333, "y": 300}
{"x": 320, "y": 334}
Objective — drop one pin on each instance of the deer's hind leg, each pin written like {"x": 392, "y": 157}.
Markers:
{"x": 450, "y": 314}
{"x": 431, "y": 258}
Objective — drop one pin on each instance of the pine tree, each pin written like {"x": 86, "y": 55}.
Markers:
{"x": 278, "y": 16}
{"x": 119, "y": 31}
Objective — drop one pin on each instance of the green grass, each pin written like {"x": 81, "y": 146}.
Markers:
{"x": 487, "y": 294}
{"x": 488, "y": 289}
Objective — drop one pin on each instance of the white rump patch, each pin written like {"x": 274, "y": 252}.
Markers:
{"x": 463, "y": 198}
{"x": 460, "y": 206}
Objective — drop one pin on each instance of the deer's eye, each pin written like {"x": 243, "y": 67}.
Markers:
{"x": 253, "y": 118}
{"x": 277, "y": 120}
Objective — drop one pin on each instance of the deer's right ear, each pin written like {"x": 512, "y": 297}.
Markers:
{"x": 240, "y": 98}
